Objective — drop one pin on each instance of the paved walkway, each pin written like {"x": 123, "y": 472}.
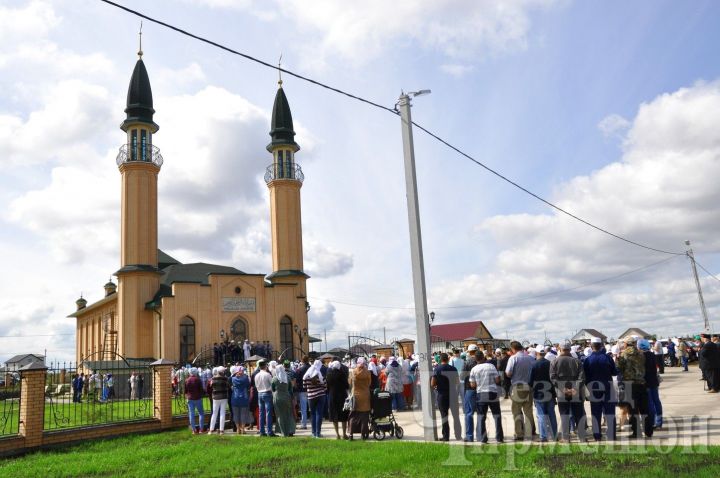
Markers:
{"x": 691, "y": 416}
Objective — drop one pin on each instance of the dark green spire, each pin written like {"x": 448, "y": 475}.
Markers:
{"x": 281, "y": 125}
{"x": 139, "y": 98}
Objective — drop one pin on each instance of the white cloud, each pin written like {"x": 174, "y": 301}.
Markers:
{"x": 613, "y": 125}
{"x": 360, "y": 31}
{"x": 661, "y": 191}
{"x": 321, "y": 317}
{"x": 324, "y": 261}
{"x": 456, "y": 70}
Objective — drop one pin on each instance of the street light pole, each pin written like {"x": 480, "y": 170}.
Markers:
{"x": 697, "y": 284}
{"x": 418, "y": 268}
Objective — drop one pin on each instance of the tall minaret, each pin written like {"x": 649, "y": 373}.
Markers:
{"x": 139, "y": 163}
{"x": 284, "y": 179}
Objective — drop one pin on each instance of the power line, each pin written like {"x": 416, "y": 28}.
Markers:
{"x": 708, "y": 272}
{"x": 394, "y": 112}
{"x": 249, "y": 57}
{"x": 508, "y": 300}
{"x": 554, "y": 206}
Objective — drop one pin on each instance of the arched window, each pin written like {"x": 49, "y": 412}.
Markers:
{"x": 286, "y": 338}
{"x": 239, "y": 330}
{"x": 187, "y": 340}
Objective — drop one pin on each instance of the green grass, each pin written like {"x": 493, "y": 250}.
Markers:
{"x": 66, "y": 414}
{"x": 178, "y": 453}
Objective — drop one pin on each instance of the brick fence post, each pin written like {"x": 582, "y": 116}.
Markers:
{"x": 32, "y": 403}
{"x": 162, "y": 391}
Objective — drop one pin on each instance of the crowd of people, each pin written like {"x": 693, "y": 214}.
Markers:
{"x": 278, "y": 397}
{"x": 548, "y": 387}
{"x": 620, "y": 381}
{"x": 231, "y": 351}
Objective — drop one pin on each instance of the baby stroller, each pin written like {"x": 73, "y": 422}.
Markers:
{"x": 382, "y": 420}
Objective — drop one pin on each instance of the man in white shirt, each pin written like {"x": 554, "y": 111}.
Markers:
{"x": 484, "y": 378}
{"x": 263, "y": 384}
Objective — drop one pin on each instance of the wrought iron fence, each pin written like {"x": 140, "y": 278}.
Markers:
{"x": 284, "y": 171}
{"x": 96, "y": 392}
{"x": 10, "y": 405}
{"x": 148, "y": 154}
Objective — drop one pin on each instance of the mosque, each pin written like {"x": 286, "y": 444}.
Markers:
{"x": 162, "y": 308}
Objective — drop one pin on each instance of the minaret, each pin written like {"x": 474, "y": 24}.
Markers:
{"x": 139, "y": 163}
{"x": 284, "y": 179}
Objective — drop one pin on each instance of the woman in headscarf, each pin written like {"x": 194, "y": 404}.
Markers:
{"x": 394, "y": 384}
{"x": 338, "y": 385}
{"x": 240, "y": 399}
{"x": 360, "y": 379}
{"x": 407, "y": 381}
{"x": 315, "y": 386}
{"x": 219, "y": 384}
{"x": 282, "y": 403}
{"x": 374, "y": 379}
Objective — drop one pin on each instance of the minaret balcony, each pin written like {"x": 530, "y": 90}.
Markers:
{"x": 139, "y": 154}
{"x": 278, "y": 171}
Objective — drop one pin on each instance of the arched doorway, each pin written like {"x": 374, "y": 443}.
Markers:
{"x": 187, "y": 340}
{"x": 286, "y": 337}
{"x": 239, "y": 330}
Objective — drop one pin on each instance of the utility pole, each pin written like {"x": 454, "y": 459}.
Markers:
{"x": 697, "y": 284}
{"x": 418, "y": 268}
{"x": 384, "y": 336}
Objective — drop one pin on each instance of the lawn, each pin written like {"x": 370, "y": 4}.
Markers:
{"x": 63, "y": 413}
{"x": 178, "y": 453}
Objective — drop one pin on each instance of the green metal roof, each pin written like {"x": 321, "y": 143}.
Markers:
{"x": 139, "y": 98}
{"x": 281, "y": 124}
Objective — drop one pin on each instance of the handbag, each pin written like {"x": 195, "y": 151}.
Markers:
{"x": 349, "y": 404}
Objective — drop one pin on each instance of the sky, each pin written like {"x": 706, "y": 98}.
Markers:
{"x": 607, "y": 109}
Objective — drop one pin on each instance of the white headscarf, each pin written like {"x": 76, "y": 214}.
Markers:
{"x": 281, "y": 374}
{"x": 271, "y": 366}
{"x": 313, "y": 371}
{"x": 361, "y": 362}
{"x": 335, "y": 364}
{"x": 373, "y": 368}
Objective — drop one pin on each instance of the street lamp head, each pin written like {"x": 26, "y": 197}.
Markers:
{"x": 222, "y": 333}
{"x": 432, "y": 317}
{"x": 687, "y": 243}
{"x": 415, "y": 94}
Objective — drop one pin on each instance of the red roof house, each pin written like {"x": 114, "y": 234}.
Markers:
{"x": 459, "y": 331}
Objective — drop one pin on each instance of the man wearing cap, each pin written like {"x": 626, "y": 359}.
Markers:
{"x": 469, "y": 396}
{"x": 599, "y": 372}
{"x": 518, "y": 371}
{"x": 544, "y": 396}
{"x": 568, "y": 376}
{"x": 709, "y": 356}
{"x": 631, "y": 365}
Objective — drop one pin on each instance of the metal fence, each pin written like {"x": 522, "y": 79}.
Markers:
{"x": 10, "y": 405}
{"x": 96, "y": 392}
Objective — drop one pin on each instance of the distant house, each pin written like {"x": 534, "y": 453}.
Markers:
{"x": 19, "y": 361}
{"x": 634, "y": 331}
{"x": 588, "y": 334}
{"x": 447, "y": 336}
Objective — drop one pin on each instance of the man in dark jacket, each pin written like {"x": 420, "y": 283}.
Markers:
{"x": 568, "y": 376}
{"x": 631, "y": 365}
{"x": 544, "y": 396}
{"x": 470, "y": 397}
{"x": 709, "y": 358}
{"x": 599, "y": 372}
{"x": 501, "y": 366}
